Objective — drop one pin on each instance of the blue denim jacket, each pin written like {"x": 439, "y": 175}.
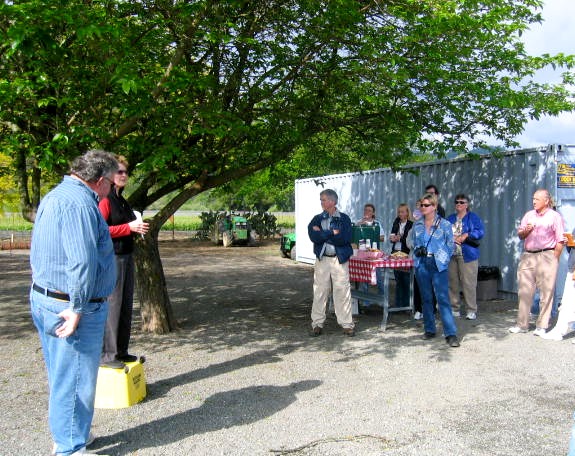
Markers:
{"x": 341, "y": 241}
{"x": 440, "y": 244}
{"x": 472, "y": 225}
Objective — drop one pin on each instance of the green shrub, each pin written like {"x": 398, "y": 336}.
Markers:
{"x": 263, "y": 223}
{"x": 208, "y": 221}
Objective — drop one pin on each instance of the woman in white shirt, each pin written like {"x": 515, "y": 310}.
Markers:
{"x": 399, "y": 231}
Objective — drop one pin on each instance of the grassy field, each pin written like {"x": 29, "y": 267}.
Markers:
{"x": 15, "y": 222}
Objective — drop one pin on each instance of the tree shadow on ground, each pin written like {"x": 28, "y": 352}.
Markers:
{"x": 220, "y": 411}
{"x": 260, "y": 357}
{"x": 224, "y": 298}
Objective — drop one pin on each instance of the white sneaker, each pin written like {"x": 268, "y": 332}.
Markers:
{"x": 471, "y": 316}
{"x": 85, "y": 451}
{"x": 417, "y": 316}
{"x": 91, "y": 438}
{"x": 539, "y": 332}
{"x": 552, "y": 335}
{"x": 517, "y": 330}
{"x": 456, "y": 313}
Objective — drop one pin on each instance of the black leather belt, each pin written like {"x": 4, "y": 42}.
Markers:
{"x": 540, "y": 250}
{"x": 331, "y": 256}
{"x": 61, "y": 296}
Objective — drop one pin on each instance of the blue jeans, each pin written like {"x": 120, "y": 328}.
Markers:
{"x": 430, "y": 280}
{"x": 72, "y": 364}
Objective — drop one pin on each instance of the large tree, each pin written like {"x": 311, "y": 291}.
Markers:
{"x": 200, "y": 93}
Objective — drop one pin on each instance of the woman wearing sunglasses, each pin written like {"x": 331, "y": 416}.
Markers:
{"x": 122, "y": 224}
{"x": 467, "y": 231}
{"x": 431, "y": 241}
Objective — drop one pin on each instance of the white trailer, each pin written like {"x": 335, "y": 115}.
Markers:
{"x": 500, "y": 189}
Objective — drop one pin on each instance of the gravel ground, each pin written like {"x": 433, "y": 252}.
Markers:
{"x": 242, "y": 376}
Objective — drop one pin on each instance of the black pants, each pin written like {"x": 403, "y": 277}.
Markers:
{"x": 417, "y": 307}
{"x": 120, "y": 304}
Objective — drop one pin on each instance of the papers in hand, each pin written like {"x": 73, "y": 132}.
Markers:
{"x": 138, "y": 216}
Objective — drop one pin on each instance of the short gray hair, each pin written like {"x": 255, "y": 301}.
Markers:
{"x": 93, "y": 165}
{"x": 546, "y": 194}
{"x": 329, "y": 194}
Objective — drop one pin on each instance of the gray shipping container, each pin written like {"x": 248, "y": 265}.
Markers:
{"x": 500, "y": 191}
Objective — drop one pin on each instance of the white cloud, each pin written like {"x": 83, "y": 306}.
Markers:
{"x": 555, "y": 35}
{"x": 549, "y": 130}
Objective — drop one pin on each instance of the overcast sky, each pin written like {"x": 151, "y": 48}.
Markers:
{"x": 556, "y": 34}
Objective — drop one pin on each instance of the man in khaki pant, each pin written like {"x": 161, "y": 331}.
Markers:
{"x": 541, "y": 230}
{"x": 331, "y": 235}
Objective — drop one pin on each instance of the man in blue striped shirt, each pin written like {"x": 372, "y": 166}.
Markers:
{"x": 73, "y": 271}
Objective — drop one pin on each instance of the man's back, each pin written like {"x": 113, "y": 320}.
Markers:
{"x": 71, "y": 245}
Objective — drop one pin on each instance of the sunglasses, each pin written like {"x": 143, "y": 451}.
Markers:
{"x": 460, "y": 202}
{"x": 426, "y": 205}
{"x": 122, "y": 171}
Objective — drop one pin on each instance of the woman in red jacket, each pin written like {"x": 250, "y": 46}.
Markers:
{"x": 123, "y": 223}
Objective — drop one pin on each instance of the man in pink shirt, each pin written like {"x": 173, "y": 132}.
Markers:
{"x": 541, "y": 230}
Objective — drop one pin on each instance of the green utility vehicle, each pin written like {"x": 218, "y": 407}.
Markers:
{"x": 287, "y": 245}
{"x": 231, "y": 230}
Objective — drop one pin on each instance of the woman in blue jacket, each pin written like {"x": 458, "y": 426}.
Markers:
{"x": 467, "y": 231}
{"x": 431, "y": 241}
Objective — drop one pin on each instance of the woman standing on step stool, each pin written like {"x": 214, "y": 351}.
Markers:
{"x": 123, "y": 223}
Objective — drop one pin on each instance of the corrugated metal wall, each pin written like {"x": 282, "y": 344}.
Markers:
{"x": 500, "y": 190}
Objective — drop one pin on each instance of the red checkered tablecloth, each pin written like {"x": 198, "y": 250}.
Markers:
{"x": 363, "y": 269}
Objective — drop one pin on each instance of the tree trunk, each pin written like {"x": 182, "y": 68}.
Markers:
{"x": 157, "y": 316}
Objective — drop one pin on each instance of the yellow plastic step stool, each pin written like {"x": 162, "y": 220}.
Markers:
{"x": 120, "y": 388}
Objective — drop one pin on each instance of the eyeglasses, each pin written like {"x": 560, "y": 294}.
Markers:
{"x": 460, "y": 202}
{"x": 122, "y": 171}
{"x": 426, "y": 205}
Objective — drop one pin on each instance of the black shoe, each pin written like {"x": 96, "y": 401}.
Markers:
{"x": 316, "y": 331}
{"x": 427, "y": 336}
{"x": 349, "y": 332}
{"x": 114, "y": 364}
{"x": 452, "y": 341}
{"x": 127, "y": 358}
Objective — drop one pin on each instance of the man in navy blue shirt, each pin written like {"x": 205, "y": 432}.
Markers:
{"x": 331, "y": 235}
